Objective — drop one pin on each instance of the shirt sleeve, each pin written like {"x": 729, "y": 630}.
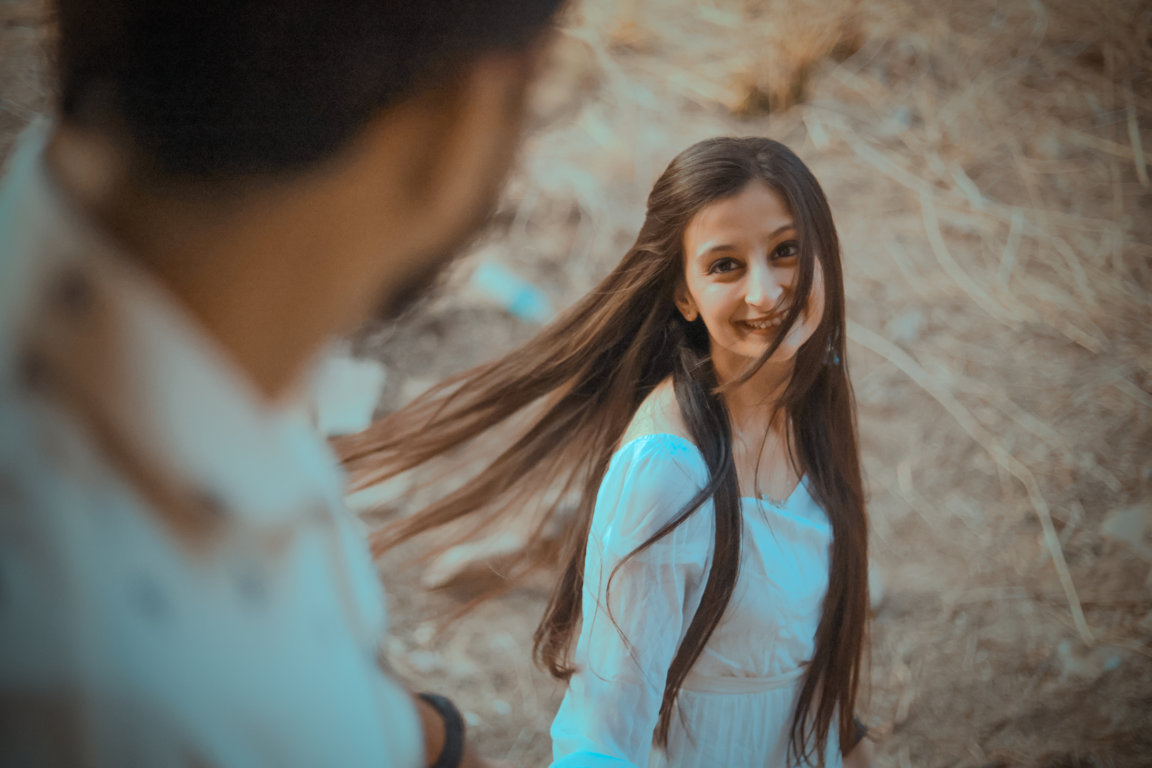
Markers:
{"x": 633, "y": 626}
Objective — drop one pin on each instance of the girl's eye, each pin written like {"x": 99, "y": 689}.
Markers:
{"x": 721, "y": 266}
{"x": 787, "y": 250}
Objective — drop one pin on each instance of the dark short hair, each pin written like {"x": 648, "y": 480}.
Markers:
{"x": 229, "y": 88}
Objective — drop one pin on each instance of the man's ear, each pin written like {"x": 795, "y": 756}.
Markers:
{"x": 465, "y": 133}
{"x": 685, "y": 303}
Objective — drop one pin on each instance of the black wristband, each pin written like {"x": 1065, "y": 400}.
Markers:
{"x": 453, "y": 749}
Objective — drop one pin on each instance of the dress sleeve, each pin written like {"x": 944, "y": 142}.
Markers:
{"x": 630, "y": 631}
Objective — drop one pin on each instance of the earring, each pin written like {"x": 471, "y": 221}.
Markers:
{"x": 831, "y": 356}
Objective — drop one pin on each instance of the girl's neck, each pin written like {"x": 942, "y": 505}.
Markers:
{"x": 760, "y": 432}
{"x": 753, "y": 403}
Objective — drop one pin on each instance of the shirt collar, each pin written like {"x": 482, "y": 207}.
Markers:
{"x": 171, "y": 395}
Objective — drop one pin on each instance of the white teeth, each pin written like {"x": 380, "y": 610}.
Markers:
{"x": 760, "y": 325}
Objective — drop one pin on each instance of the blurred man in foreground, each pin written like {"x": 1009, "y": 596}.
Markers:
{"x": 226, "y": 186}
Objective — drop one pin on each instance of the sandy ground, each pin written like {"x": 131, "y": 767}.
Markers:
{"x": 985, "y": 163}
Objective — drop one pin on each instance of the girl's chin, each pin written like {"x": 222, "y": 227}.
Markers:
{"x": 753, "y": 352}
{"x": 755, "y": 345}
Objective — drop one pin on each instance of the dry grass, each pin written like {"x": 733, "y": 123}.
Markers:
{"x": 988, "y": 166}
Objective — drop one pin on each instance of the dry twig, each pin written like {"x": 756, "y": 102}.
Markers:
{"x": 990, "y": 443}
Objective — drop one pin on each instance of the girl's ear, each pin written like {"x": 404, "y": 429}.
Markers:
{"x": 685, "y": 303}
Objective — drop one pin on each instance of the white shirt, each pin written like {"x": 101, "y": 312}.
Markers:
{"x": 738, "y": 699}
{"x": 180, "y": 583}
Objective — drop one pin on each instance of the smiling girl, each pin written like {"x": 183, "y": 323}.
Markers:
{"x": 712, "y": 603}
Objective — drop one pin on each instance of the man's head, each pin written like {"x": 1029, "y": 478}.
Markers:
{"x": 297, "y": 163}
{"x": 225, "y": 88}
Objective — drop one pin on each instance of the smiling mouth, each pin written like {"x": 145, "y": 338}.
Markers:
{"x": 759, "y": 326}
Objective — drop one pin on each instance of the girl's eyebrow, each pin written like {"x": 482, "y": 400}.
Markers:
{"x": 718, "y": 248}
{"x": 781, "y": 230}
{"x": 722, "y": 247}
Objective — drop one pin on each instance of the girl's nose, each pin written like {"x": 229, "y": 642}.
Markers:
{"x": 764, "y": 289}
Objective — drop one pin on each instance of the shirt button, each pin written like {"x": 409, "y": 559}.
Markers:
{"x": 148, "y": 598}
{"x": 249, "y": 582}
{"x": 73, "y": 293}
{"x": 210, "y": 504}
{"x": 32, "y": 370}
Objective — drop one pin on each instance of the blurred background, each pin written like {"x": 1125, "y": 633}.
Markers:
{"x": 986, "y": 164}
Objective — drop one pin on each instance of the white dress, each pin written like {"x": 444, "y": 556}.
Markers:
{"x": 735, "y": 707}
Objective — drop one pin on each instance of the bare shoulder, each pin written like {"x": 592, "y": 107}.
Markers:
{"x": 659, "y": 413}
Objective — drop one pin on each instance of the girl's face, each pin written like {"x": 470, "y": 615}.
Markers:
{"x": 742, "y": 262}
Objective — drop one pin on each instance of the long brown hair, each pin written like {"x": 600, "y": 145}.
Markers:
{"x": 581, "y": 380}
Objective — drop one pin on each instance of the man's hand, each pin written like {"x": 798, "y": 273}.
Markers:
{"x": 482, "y": 763}
{"x": 860, "y": 756}
{"x": 433, "y": 726}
